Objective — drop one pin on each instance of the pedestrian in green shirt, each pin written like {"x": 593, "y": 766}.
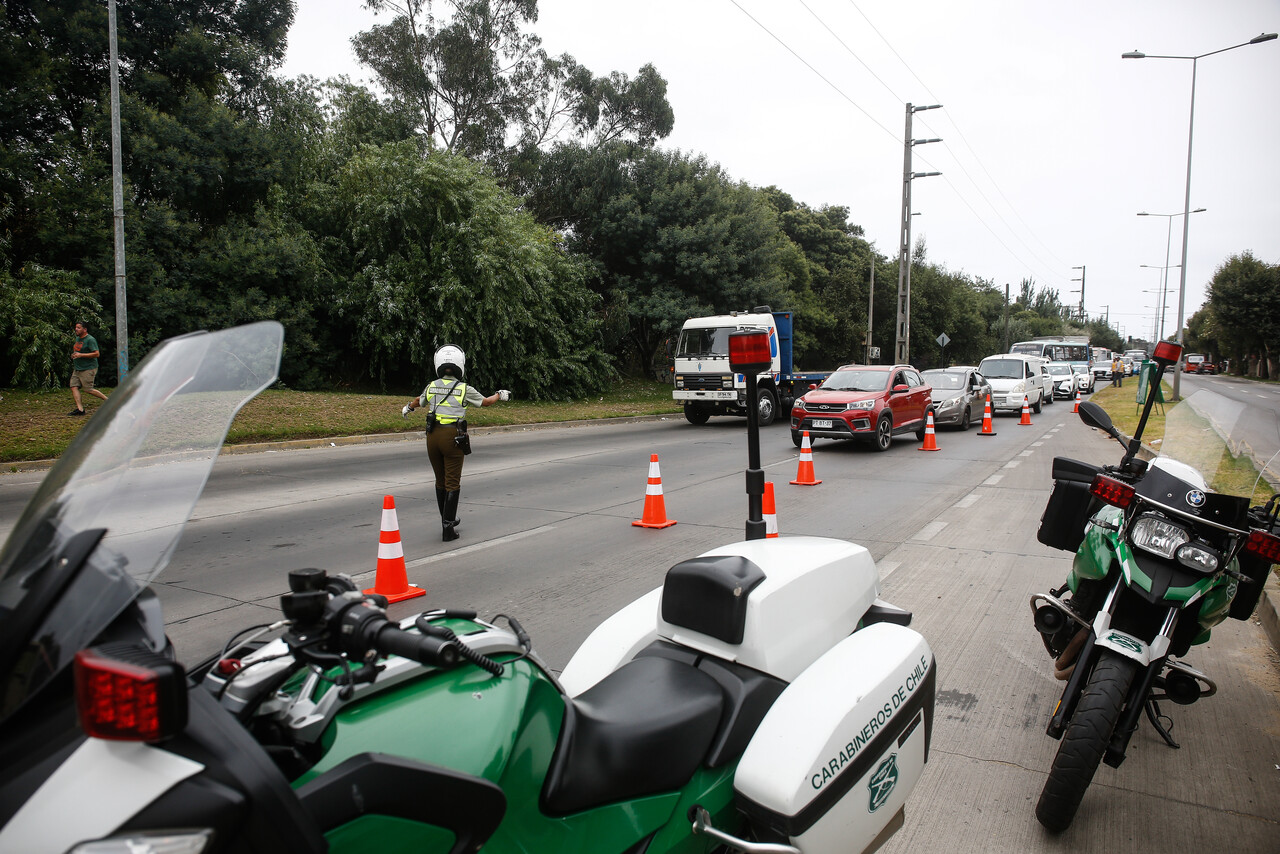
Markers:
{"x": 84, "y": 366}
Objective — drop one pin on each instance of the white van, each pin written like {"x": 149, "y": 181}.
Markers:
{"x": 1014, "y": 376}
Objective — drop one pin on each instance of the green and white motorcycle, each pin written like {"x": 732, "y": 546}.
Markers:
{"x": 1165, "y": 550}
{"x": 762, "y": 700}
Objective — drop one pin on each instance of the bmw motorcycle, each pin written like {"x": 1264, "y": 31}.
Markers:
{"x": 763, "y": 699}
{"x": 1165, "y": 550}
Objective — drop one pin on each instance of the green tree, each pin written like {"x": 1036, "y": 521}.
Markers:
{"x": 438, "y": 253}
{"x": 1244, "y": 298}
{"x": 479, "y": 84}
{"x": 669, "y": 236}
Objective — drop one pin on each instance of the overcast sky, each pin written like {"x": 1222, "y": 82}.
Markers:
{"x": 1051, "y": 142}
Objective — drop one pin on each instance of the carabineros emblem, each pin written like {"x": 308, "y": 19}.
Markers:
{"x": 883, "y": 781}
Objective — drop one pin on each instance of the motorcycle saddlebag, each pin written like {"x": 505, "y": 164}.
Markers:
{"x": 1070, "y": 505}
{"x": 833, "y": 761}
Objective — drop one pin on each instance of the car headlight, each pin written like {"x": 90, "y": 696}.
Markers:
{"x": 1019, "y": 388}
{"x": 1158, "y": 535}
{"x": 799, "y": 404}
{"x": 950, "y": 403}
{"x": 861, "y": 404}
{"x": 679, "y": 381}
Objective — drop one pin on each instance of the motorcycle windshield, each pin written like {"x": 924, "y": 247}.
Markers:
{"x": 134, "y": 473}
{"x": 1221, "y": 439}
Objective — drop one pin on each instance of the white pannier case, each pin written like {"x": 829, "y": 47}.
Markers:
{"x": 835, "y": 758}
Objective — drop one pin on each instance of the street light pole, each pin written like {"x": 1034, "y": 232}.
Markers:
{"x": 117, "y": 204}
{"x": 902, "y": 343}
{"x": 1186, "y": 208}
{"x": 1167, "y": 241}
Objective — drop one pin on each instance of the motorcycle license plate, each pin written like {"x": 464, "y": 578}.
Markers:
{"x": 821, "y": 423}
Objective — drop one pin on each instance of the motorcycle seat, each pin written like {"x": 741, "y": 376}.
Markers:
{"x": 643, "y": 729}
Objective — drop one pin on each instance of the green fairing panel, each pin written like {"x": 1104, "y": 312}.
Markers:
{"x": 505, "y": 730}
{"x": 1093, "y": 559}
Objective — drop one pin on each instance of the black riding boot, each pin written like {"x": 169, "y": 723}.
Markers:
{"x": 442, "y": 499}
{"x": 449, "y": 516}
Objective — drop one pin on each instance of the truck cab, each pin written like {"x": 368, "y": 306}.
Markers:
{"x": 705, "y": 385}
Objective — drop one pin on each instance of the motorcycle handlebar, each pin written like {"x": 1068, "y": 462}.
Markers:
{"x": 433, "y": 652}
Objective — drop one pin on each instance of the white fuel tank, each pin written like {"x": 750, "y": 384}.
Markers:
{"x": 834, "y": 760}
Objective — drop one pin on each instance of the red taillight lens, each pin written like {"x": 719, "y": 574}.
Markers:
{"x": 127, "y": 693}
{"x": 1167, "y": 351}
{"x": 1112, "y": 491}
{"x": 1264, "y": 545}
{"x": 749, "y": 351}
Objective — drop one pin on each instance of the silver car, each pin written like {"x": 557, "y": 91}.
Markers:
{"x": 959, "y": 395}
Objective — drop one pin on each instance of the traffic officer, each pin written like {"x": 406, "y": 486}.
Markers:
{"x": 446, "y": 399}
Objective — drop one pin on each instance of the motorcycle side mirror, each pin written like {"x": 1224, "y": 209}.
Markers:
{"x": 1095, "y": 416}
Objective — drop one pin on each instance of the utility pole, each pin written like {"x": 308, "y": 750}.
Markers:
{"x": 871, "y": 305}
{"x": 117, "y": 202}
{"x": 902, "y": 344}
{"x": 1080, "y": 315}
{"x": 1006, "y": 317}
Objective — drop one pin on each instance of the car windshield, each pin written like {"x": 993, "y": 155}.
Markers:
{"x": 1080, "y": 369}
{"x": 869, "y": 380}
{"x": 107, "y": 516}
{"x": 1059, "y": 370}
{"x": 944, "y": 380}
{"x": 1002, "y": 369}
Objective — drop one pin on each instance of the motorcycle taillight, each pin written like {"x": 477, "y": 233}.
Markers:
{"x": 1264, "y": 545}
{"x": 127, "y": 693}
{"x": 1112, "y": 491}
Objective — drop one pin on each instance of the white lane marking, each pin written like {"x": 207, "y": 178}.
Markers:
{"x": 449, "y": 555}
{"x": 887, "y": 567}
{"x": 928, "y": 532}
{"x": 1012, "y": 464}
{"x": 968, "y": 501}
{"x": 993, "y": 480}
{"x": 1026, "y": 453}
{"x": 1036, "y": 444}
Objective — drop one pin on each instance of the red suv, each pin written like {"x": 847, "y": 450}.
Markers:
{"x": 873, "y": 402}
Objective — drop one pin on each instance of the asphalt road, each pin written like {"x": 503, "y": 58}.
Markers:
{"x": 547, "y": 536}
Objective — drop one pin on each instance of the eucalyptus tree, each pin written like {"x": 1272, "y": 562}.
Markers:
{"x": 478, "y": 83}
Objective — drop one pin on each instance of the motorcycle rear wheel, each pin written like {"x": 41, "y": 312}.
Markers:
{"x": 1085, "y": 741}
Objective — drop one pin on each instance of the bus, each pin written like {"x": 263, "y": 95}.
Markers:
{"x": 1058, "y": 348}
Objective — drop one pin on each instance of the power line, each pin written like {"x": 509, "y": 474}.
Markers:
{"x": 838, "y": 90}
{"x": 960, "y": 133}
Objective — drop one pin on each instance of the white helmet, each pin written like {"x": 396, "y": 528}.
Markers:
{"x": 451, "y": 356}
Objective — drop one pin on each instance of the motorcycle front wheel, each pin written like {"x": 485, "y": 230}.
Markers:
{"x": 1085, "y": 741}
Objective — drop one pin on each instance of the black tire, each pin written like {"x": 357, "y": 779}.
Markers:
{"x": 796, "y": 438}
{"x": 695, "y": 414}
{"x": 1085, "y": 740}
{"x": 884, "y": 433}
{"x": 964, "y": 419}
{"x": 924, "y": 425}
{"x": 766, "y": 406}
{"x": 1035, "y": 407}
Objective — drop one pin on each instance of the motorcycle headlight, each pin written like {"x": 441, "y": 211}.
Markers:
{"x": 177, "y": 842}
{"x": 861, "y": 404}
{"x": 1200, "y": 558}
{"x": 1158, "y": 535}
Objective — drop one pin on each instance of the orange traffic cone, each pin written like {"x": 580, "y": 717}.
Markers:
{"x": 986, "y": 420}
{"x": 1076, "y": 407}
{"x": 804, "y": 476}
{"x": 655, "y": 509}
{"x": 930, "y": 442}
{"x": 1026, "y": 413}
{"x": 769, "y": 511}
{"x": 392, "y": 580}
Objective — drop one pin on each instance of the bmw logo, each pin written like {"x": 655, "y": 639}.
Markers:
{"x": 1195, "y": 498}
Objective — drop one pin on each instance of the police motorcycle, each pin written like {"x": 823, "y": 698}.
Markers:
{"x": 1165, "y": 550}
{"x": 762, "y": 700}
